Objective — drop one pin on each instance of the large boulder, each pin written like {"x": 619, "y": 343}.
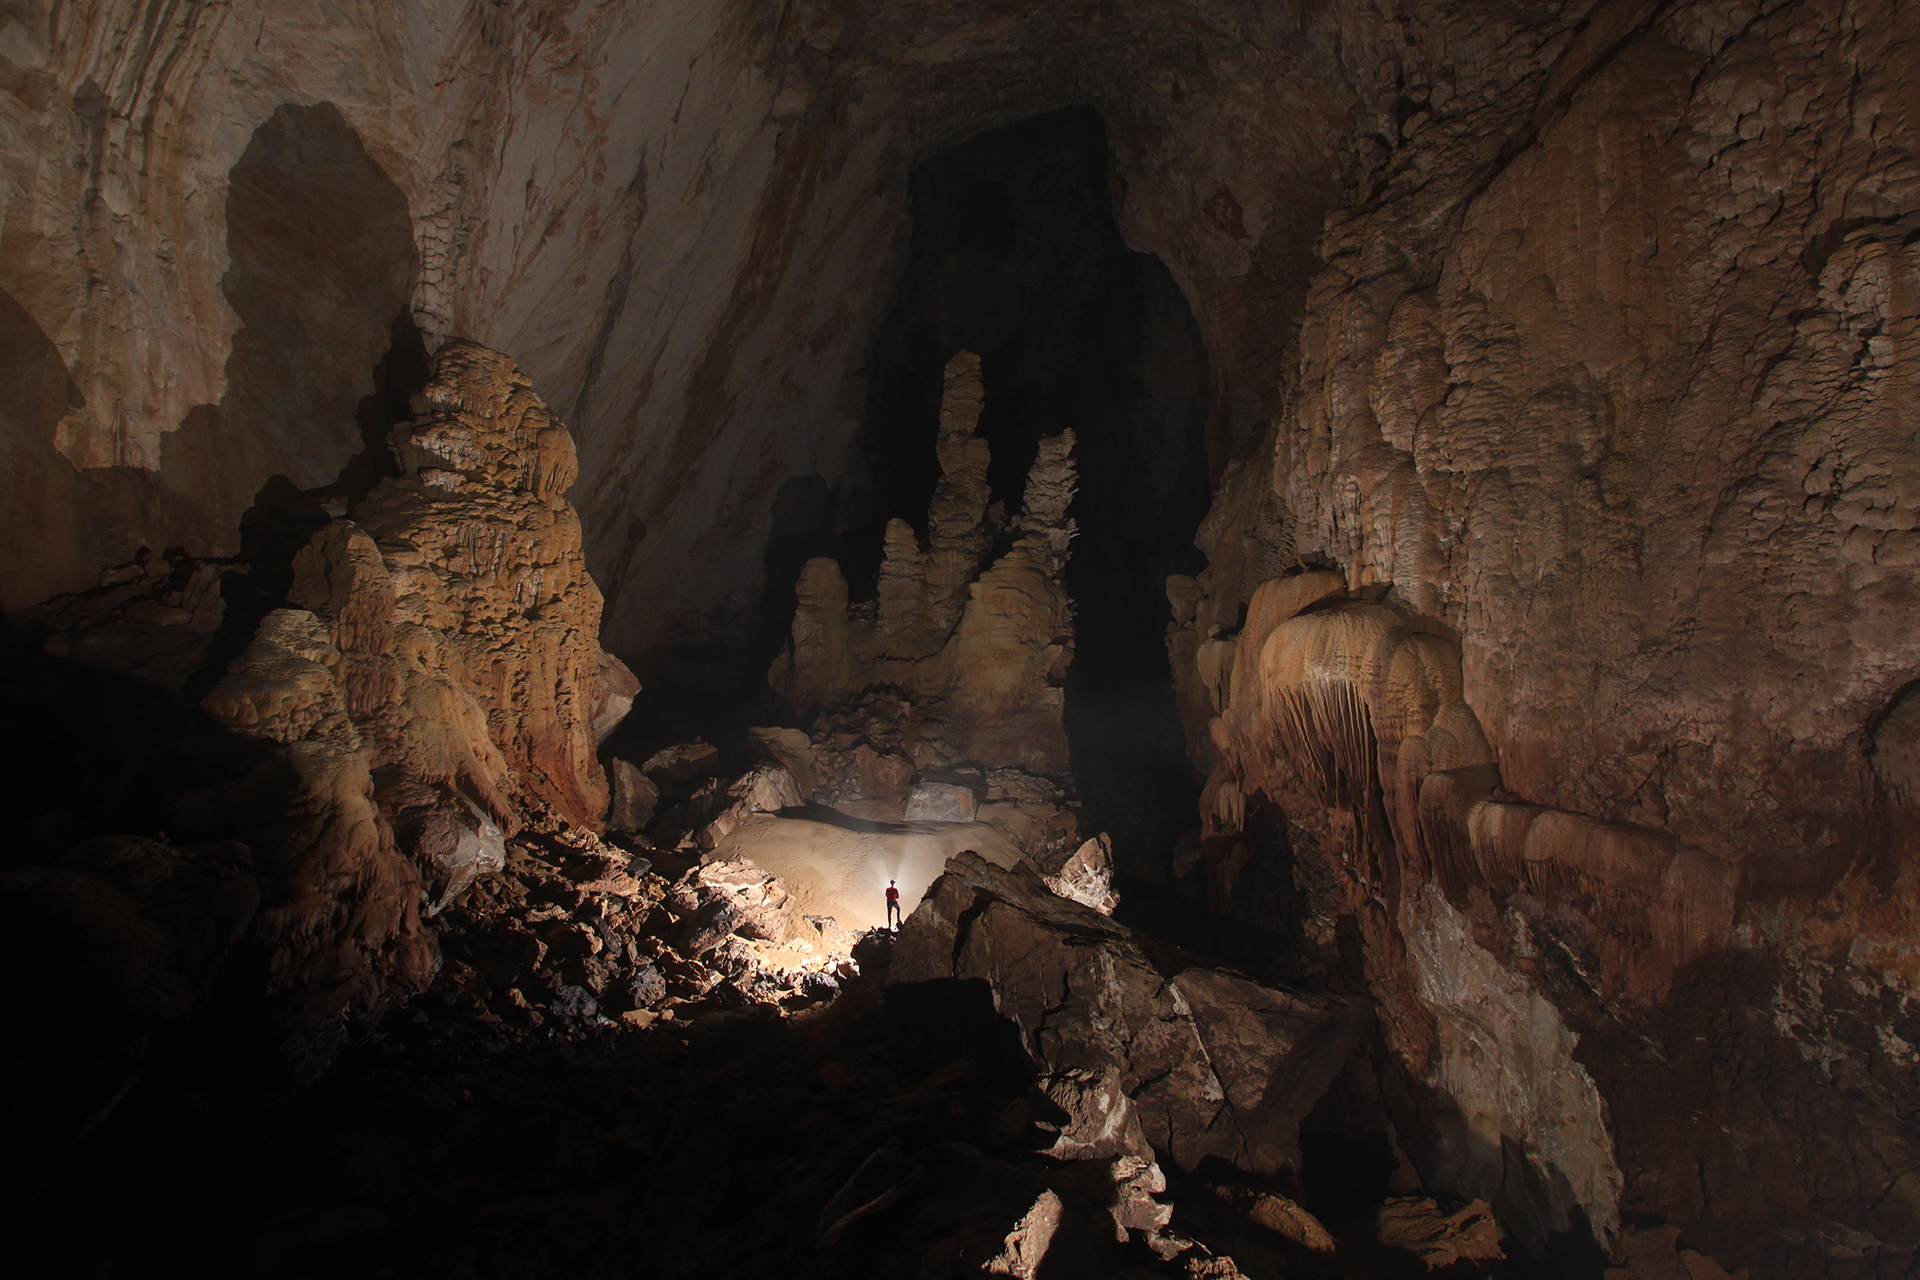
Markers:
{"x": 1147, "y": 1051}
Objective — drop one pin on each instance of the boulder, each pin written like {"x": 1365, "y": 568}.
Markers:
{"x": 635, "y": 797}
{"x": 1276, "y": 1213}
{"x": 614, "y": 689}
{"x": 1087, "y": 876}
{"x": 1439, "y": 1239}
{"x": 767, "y": 788}
{"x": 1147, "y": 1052}
{"x": 455, "y": 849}
{"x": 940, "y": 802}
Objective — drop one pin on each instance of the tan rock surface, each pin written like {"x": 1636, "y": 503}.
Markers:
{"x": 435, "y": 692}
{"x": 1600, "y": 389}
{"x": 983, "y": 651}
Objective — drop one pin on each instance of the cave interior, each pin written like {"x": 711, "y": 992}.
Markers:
{"x": 1348, "y": 567}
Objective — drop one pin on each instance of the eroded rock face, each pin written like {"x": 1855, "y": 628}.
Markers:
{"x": 980, "y": 649}
{"x": 1144, "y": 1055}
{"x": 1599, "y": 406}
{"x": 434, "y": 685}
{"x": 1597, "y": 418}
{"x": 547, "y": 167}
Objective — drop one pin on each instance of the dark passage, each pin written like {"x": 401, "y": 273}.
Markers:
{"x": 1015, "y": 255}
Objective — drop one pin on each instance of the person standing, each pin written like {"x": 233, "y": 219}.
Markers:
{"x": 893, "y": 907}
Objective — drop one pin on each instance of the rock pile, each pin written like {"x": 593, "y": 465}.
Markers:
{"x": 574, "y": 934}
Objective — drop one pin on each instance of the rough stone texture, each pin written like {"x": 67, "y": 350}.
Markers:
{"x": 1607, "y": 380}
{"x": 433, "y": 691}
{"x": 1439, "y": 1239}
{"x": 1143, "y": 1054}
{"x": 614, "y": 692}
{"x": 940, "y": 802}
{"x": 1604, "y": 414}
{"x": 535, "y": 171}
{"x": 982, "y": 651}
{"x": 634, "y": 797}
{"x": 1276, "y": 1213}
{"x": 1087, "y": 876}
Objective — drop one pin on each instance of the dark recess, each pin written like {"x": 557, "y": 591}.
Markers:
{"x": 1015, "y": 255}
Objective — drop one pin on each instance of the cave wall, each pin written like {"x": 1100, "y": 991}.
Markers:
{"x": 1579, "y": 336}
{"x": 1605, "y": 421}
{"x": 678, "y": 220}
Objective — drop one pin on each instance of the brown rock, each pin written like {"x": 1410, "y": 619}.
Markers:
{"x": 614, "y": 692}
{"x": 1025, "y": 1247}
{"x": 1144, "y": 1056}
{"x": 940, "y": 802}
{"x": 1277, "y": 1214}
{"x": 983, "y": 653}
{"x": 1419, "y": 1226}
{"x": 445, "y": 644}
{"x": 634, "y": 797}
{"x": 1087, "y": 876}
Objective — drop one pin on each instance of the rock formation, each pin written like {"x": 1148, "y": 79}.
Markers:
{"x": 434, "y": 684}
{"x": 1552, "y": 651}
{"x": 980, "y": 651}
{"x": 430, "y": 684}
{"x": 1577, "y": 745}
{"x": 1144, "y": 1055}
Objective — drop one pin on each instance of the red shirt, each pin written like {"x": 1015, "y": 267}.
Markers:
{"x": 893, "y": 894}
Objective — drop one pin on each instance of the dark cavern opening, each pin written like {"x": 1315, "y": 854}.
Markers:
{"x": 1180, "y": 638}
{"x": 1015, "y": 256}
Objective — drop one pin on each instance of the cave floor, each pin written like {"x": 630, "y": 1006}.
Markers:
{"x": 451, "y": 1143}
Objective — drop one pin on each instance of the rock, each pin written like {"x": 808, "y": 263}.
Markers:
{"x": 981, "y": 651}
{"x": 1461, "y": 357}
{"x": 682, "y": 761}
{"x": 1025, "y": 1247}
{"x": 818, "y": 986}
{"x": 762, "y": 906}
{"x": 1418, "y": 1226}
{"x": 644, "y": 987}
{"x": 882, "y": 1179}
{"x": 458, "y": 849}
{"x": 574, "y": 1002}
{"x": 1087, "y": 876}
{"x": 459, "y": 681}
{"x": 792, "y": 748}
{"x": 1655, "y": 1254}
{"x": 615, "y": 688}
{"x": 940, "y": 802}
{"x": 767, "y": 788}
{"x": 634, "y": 797}
{"x": 1276, "y": 1213}
{"x": 708, "y": 927}
{"x": 841, "y": 870}
{"x": 1146, "y": 1053}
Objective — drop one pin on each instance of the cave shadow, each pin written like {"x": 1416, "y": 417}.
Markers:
{"x": 321, "y": 264}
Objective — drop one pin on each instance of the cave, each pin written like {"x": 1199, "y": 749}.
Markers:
{"x": 1182, "y": 638}
{"x": 1013, "y": 254}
